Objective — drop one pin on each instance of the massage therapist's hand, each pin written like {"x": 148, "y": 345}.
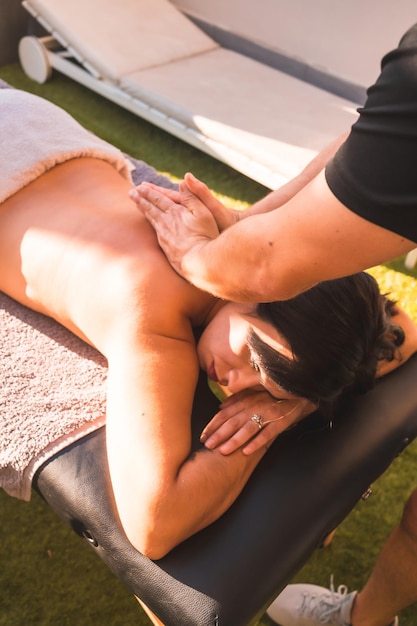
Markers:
{"x": 191, "y": 191}
{"x": 224, "y": 216}
{"x": 251, "y": 420}
{"x": 183, "y": 220}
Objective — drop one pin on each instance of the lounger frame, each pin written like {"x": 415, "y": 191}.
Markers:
{"x": 330, "y": 115}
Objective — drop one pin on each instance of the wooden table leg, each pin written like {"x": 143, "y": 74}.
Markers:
{"x": 149, "y": 613}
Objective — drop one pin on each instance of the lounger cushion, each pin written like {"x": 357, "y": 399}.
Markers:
{"x": 268, "y": 116}
{"x": 260, "y": 121}
{"x": 122, "y": 36}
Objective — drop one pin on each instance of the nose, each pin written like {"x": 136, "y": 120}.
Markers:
{"x": 240, "y": 379}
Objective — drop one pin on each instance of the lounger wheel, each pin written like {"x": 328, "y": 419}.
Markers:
{"x": 33, "y": 56}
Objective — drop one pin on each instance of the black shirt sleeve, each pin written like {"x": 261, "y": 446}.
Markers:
{"x": 374, "y": 173}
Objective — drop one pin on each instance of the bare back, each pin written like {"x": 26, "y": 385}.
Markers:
{"x": 70, "y": 239}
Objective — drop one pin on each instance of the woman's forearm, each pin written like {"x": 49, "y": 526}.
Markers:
{"x": 181, "y": 501}
{"x": 206, "y": 486}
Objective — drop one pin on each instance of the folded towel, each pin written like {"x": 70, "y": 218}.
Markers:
{"x": 52, "y": 391}
{"x": 52, "y": 384}
{"x": 40, "y": 135}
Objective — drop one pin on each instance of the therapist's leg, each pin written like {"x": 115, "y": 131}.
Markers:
{"x": 391, "y": 587}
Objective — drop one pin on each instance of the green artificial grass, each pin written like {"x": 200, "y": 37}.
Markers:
{"x": 48, "y": 576}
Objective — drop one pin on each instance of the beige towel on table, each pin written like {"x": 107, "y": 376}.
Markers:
{"x": 52, "y": 392}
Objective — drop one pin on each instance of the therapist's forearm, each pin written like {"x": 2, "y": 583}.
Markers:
{"x": 280, "y": 196}
{"x": 241, "y": 263}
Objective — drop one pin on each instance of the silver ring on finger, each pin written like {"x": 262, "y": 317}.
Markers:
{"x": 257, "y": 419}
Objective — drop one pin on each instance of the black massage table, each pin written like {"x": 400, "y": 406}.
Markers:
{"x": 304, "y": 487}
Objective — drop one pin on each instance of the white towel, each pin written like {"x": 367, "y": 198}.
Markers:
{"x": 36, "y": 135}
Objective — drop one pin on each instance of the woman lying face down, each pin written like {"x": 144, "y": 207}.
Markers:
{"x": 334, "y": 340}
{"x": 74, "y": 247}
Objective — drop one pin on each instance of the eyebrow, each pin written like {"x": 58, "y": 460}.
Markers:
{"x": 253, "y": 341}
{"x": 255, "y": 358}
{"x": 252, "y": 338}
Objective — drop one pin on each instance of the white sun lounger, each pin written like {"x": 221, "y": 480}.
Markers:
{"x": 148, "y": 57}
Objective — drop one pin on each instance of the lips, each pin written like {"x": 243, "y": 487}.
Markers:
{"x": 211, "y": 373}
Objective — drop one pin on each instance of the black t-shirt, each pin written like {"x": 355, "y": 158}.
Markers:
{"x": 374, "y": 173}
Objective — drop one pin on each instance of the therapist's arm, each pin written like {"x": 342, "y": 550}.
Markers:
{"x": 282, "y": 195}
{"x": 226, "y": 217}
{"x": 187, "y": 219}
{"x": 177, "y": 234}
{"x": 275, "y": 255}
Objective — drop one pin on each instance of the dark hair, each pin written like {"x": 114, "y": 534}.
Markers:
{"x": 337, "y": 332}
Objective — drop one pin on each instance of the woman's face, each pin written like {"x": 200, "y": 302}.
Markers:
{"x": 224, "y": 353}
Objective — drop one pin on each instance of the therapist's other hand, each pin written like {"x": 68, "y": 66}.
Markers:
{"x": 251, "y": 420}
{"x": 224, "y": 216}
{"x": 183, "y": 221}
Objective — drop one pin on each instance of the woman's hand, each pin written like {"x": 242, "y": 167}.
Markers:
{"x": 252, "y": 419}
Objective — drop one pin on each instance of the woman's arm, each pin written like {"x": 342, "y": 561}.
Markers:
{"x": 163, "y": 493}
{"x": 226, "y": 217}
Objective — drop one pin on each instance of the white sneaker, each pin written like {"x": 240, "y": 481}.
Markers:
{"x": 311, "y": 605}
